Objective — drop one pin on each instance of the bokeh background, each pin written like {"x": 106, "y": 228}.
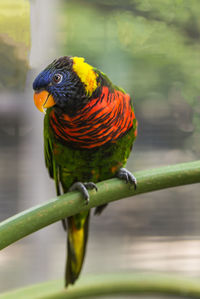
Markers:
{"x": 152, "y": 50}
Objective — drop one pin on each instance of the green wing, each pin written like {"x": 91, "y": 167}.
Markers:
{"x": 50, "y": 162}
{"x": 77, "y": 225}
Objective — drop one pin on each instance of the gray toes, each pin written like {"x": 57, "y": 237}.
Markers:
{"x": 126, "y": 175}
{"x": 83, "y": 188}
{"x": 91, "y": 186}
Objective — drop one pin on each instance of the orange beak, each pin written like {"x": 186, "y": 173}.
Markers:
{"x": 43, "y": 99}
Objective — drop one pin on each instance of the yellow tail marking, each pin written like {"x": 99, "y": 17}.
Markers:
{"x": 77, "y": 239}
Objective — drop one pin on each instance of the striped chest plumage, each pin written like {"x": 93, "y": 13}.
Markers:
{"x": 103, "y": 120}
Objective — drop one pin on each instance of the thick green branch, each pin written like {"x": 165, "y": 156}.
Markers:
{"x": 71, "y": 203}
{"x": 112, "y": 284}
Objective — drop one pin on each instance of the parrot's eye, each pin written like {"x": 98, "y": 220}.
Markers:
{"x": 57, "y": 78}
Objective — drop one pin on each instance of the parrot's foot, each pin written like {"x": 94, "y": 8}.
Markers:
{"x": 83, "y": 188}
{"x": 126, "y": 175}
{"x": 98, "y": 210}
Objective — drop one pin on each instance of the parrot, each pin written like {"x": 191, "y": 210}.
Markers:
{"x": 89, "y": 130}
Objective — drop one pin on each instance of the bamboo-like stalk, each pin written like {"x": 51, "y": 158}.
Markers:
{"x": 112, "y": 285}
{"x": 71, "y": 203}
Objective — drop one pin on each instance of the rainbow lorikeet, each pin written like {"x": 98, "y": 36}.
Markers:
{"x": 89, "y": 129}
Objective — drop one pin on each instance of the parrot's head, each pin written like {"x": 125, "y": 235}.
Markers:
{"x": 66, "y": 84}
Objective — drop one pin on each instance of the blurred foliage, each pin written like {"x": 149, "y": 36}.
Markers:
{"x": 13, "y": 69}
{"x": 14, "y": 43}
{"x": 150, "y": 48}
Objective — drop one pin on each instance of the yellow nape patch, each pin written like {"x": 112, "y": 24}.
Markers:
{"x": 86, "y": 74}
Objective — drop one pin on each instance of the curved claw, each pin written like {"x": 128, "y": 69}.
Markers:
{"x": 82, "y": 187}
{"x": 91, "y": 186}
{"x": 126, "y": 175}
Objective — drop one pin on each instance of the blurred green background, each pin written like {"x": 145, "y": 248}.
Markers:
{"x": 151, "y": 49}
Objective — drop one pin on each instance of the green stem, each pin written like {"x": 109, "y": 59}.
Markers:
{"x": 132, "y": 285}
{"x": 72, "y": 203}
{"x": 112, "y": 284}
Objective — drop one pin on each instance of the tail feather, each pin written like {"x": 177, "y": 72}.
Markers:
{"x": 76, "y": 245}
